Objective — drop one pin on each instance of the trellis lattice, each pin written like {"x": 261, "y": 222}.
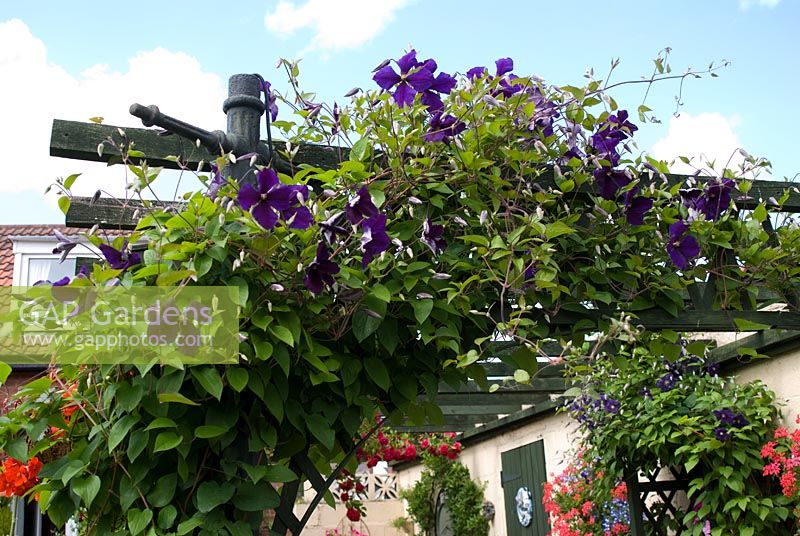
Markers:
{"x": 658, "y": 500}
{"x": 377, "y": 487}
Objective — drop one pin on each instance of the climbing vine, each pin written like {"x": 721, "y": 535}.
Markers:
{"x": 463, "y": 214}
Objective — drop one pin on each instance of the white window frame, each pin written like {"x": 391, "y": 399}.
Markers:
{"x": 41, "y": 247}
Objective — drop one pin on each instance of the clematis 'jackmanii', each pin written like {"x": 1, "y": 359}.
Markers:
{"x": 682, "y": 247}
{"x": 432, "y": 236}
{"x": 321, "y": 270}
{"x": 273, "y": 200}
{"x": 443, "y": 127}
{"x": 414, "y": 78}
{"x": 374, "y": 239}
{"x": 120, "y": 259}
{"x": 360, "y": 207}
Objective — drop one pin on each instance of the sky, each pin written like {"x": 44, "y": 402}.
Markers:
{"x": 83, "y": 59}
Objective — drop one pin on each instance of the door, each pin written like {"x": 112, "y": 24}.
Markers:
{"x": 523, "y": 477}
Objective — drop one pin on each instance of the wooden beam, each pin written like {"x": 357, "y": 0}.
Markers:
{"x": 689, "y": 320}
{"x": 488, "y": 400}
{"x": 79, "y": 141}
{"x": 122, "y": 214}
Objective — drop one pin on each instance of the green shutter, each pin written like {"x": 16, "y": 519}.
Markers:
{"x": 525, "y": 467}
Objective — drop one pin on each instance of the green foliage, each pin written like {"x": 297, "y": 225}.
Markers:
{"x": 645, "y": 406}
{"x": 464, "y": 498}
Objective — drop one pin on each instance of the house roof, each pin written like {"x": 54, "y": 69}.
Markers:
{"x": 7, "y": 246}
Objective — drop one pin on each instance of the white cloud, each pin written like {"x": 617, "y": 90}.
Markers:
{"x": 706, "y": 138}
{"x": 36, "y": 91}
{"x": 747, "y": 4}
{"x": 337, "y": 24}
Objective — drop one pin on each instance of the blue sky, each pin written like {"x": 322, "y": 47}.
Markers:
{"x": 84, "y": 61}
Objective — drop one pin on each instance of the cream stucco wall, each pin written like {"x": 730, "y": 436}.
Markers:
{"x": 483, "y": 459}
{"x": 782, "y": 375}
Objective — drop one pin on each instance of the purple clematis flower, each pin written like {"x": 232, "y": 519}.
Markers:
{"x": 712, "y": 201}
{"x": 321, "y": 270}
{"x": 374, "y": 239}
{"x": 722, "y": 434}
{"x": 273, "y": 200}
{"x": 610, "y": 181}
{"x": 476, "y": 72}
{"x": 443, "y": 127}
{"x": 272, "y": 100}
{"x": 504, "y": 66}
{"x": 331, "y": 228}
{"x": 64, "y": 246}
{"x": 636, "y": 207}
{"x": 217, "y": 182}
{"x": 432, "y": 237}
{"x": 682, "y": 247}
{"x": 442, "y": 84}
{"x": 414, "y": 78}
{"x": 360, "y": 207}
{"x": 610, "y": 133}
{"x": 120, "y": 259}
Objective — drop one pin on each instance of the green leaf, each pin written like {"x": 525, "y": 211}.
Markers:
{"x": 282, "y": 334}
{"x": 208, "y": 431}
{"x": 137, "y": 443}
{"x": 742, "y": 324}
{"x": 237, "y": 378}
{"x": 378, "y": 372}
{"x": 189, "y": 525}
{"x": 364, "y": 325}
{"x": 167, "y": 516}
{"x": 211, "y": 494}
{"x": 138, "y": 520}
{"x": 17, "y": 448}
{"x": 161, "y": 422}
{"x": 86, "y": 488}
{"x": 521, "y": 376}
{"x": 63, "y": 204}
{"x": 279, "y": 473}
{"x": 69, "y": 181}
{"x": 165, "y": 398}
{"x": 164, "y": 491}
{"x": 760, "y": 213}
{"x": 556, "y": 229}
{"x": 167, "y": 441}
{"x": 422, "y": 309}
{"x": 244, "y": 289}
{"x": 5, "y": 370}
{"x": 252, "y": 497}
{"x": 381, "y": 292}
{"x": 119, "y": 430}
{"x": 321, "y": 429}
{"x": 210, "y": 379}
{"x": 167, "y": 279}
{"x": 360, "y": 150}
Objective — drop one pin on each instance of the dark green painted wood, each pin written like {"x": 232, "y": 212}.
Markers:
{"x": 118, "y": 214}
{"x": 79, "y": 141}
{"x": 524, "y": 466}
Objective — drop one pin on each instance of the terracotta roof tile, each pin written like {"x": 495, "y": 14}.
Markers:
{"x": 7, "y": 247}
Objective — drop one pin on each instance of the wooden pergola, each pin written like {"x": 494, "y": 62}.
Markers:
{"x": 469, "y": 409}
